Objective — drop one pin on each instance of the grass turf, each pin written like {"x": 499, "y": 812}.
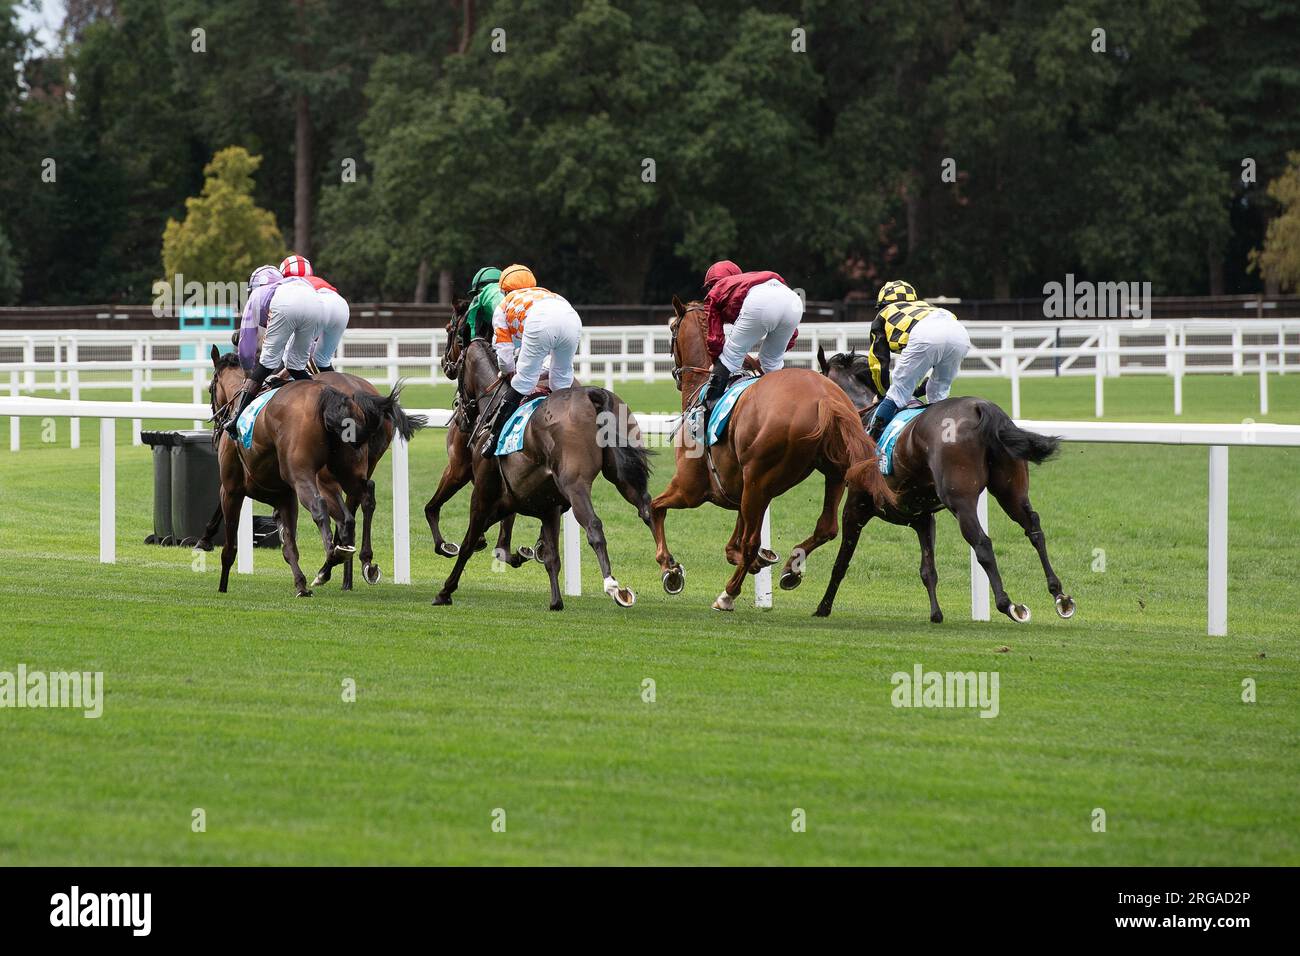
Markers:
{"x": 233, "y": 703}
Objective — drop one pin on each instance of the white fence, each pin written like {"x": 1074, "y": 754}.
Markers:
{"x": 74, "y": 361}
{"x": 1217, "y": 437}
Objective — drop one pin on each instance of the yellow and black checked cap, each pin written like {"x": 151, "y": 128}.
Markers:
{"x": 896, "y": 290}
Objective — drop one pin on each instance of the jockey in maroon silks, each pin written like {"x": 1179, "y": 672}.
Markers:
{"x": 763, "y": 311}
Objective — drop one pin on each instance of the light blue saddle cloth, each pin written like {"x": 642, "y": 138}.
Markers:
{"x": 249, "y": 417}
{"x": 890, "y": 437}
{"x": 512, "y": 436}
{"x": 722, "y": 409}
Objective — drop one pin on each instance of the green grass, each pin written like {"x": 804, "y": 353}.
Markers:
{"x": 232, "y": 703}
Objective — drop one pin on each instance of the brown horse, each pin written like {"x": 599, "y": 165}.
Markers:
{"x": 311, "y": 443}
{"x": 786, "y": 426}
{"x": 944, "y": 458}
{"x": 460, "y": 462}
{"x": 574, "y": 435}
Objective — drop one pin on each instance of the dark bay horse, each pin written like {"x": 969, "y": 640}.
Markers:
{"x": 575, "y": 434}
{"x": 786, "y": 426}
{"x": 944, "y": 458}
{"x": 312, "y": 444}
{"x": 460, "y": 462}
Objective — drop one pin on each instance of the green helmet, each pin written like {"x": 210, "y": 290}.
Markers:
{"x": 483, "y": 277}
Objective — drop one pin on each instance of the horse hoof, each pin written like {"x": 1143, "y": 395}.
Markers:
{"x": 557, "y": 606}
{"x": 936, "y": 617}
{"x": 321, "y": 578}
{"x": 1065, "y": 606}
{"x": 447, "y": 549}
{"x": 306, "y": 593}
{"x": 674, "y": 580}
{"x": 1019, "y": 613}
{"x": 790, "y": 580}
{"x": 442, "y": 600}
{"x": 539, "y": 552}
{"x": 525, "y": 554}
{"x": 767, "y": 557}
{"x": 371, "y": 574}
{"x": 725, "y": 602}
{"x": 623, "y": 597}
{"x": 823, "y": 610}
{"x": 482, "y": 543}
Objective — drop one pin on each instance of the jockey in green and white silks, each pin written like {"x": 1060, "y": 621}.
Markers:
{"x": 925, "y": 337}
{"x": 485, "y": 295}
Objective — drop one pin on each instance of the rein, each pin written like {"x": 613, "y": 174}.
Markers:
{"x": 678, "y": 369}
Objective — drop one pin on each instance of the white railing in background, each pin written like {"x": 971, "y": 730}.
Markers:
{"x": 76, "y": 360}
{"x": 1217, "y": 436}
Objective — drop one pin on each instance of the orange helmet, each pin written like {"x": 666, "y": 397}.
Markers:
{"x": 516, "y": 277}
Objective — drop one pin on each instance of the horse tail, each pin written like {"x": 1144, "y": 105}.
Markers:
{"x": 339, "y": 415}
{"x": 846, "y": 445}
{"x": 375, "y": 411}
{"x": 390, "y": 409}
{"x": 630, "y": 458}
{"x": 1000, "y": 433}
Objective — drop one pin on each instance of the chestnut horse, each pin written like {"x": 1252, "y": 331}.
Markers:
{"x": 575, "y": 434}
{"x": 460, "y": 464}
{"x": 783, "y": 428}
{"x": 944, "y": 458}
{"x": 311, "y": 443}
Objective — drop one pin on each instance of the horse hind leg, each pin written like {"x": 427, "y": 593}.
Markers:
{"x": 578, "y": 492}
{"x": 924, "y": 529}
{"x": 826, "y": 529}
{"x": 550, "y": 539}
{"x": 1012, "y": 493}
{"x": 858, "y": 510}
{"x": 288, "y": 511}
{"x": 973, "y": 532}
{"x": 370, "y": 571}
{"x": 753, "y": 504}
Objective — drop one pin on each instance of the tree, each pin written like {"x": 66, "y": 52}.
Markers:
{"x": 1279, "y": 261}
{"x": 225, "y": 235}
{"x": 10, "y": 277}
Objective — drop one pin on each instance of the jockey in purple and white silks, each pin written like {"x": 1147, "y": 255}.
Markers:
{"x": 291, "y": 313}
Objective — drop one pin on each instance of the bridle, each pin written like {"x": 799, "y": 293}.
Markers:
{"x": 678, "y": 369}
{"x": 451, "y": 367}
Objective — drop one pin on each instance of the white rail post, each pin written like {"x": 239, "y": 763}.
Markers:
{"x": 1237, "y": 364}
{"x": 1217, "y": 616}
{"x": 763, "y": 580}
{"x": 136, "y": 381}
{"x": 15, "y": 423}
{"x": 572, "y": 554}
{"x": 74, "y": 392}
{"x": 244, "y": 539}
{"x": 979, "y": 581}
{"x": 648, "y": 366}
{"x": 401, "y": 512}
{"x": 29, "y": 357}
{"x": 1178, "y": 358}
{"x": 1099, "y": 399}
{"x": 196, "y": 377}
{"x": 1015, "y": 387}
{"x": 1008, "y": 345}
{"x": 107, "y": 490}
{"x": 1263, "y": 383}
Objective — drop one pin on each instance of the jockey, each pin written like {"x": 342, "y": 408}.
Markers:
{"x": 485, "y": 295}
{"x": 764, "y": 312}
{"x": 925, "y": 337}
{"x": 291, "y": 312}
{"x": 532, "y": 324}
{"x": 334, "y": 321}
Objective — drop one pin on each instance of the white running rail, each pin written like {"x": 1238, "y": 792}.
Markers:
{"x": 1217, "y": 437}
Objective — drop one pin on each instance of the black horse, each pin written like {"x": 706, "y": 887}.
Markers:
{"x": 944, "y": 458}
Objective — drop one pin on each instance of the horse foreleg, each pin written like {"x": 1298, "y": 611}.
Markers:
{"x": 232, "y": 502}
{"x": 455, "y": 476}
{"x": 205, "y": 540}
{"x": 924, "y": 528}
{"x": 858, "y": 510}
{"x": 482, "y": 514}
{"x": 828, "y": 526}
{"x": 674, "y": 496}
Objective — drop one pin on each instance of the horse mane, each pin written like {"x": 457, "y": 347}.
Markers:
{"x": 856, "y": 365}
{"x": 224, "y": 361}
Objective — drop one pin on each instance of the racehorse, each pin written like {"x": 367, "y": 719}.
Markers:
{"x": 460, "y": 465}
{"x": 944, "y": 458}
{"x": 575, "y": 434}
{"x": 785, "y": 426}
{"x": 311, "y": 443}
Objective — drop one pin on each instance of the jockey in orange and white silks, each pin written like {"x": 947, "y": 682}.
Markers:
{"x": 529, "y": 325}
{"x": 334, "y": 318}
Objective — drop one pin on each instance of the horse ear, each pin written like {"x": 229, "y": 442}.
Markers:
{"x": 678, "y": 307}
{"x": 216, "y": 356}
{"x": 821, "y": 360}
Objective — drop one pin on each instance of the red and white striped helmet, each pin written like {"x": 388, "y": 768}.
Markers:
{"x": 296, "y": 266}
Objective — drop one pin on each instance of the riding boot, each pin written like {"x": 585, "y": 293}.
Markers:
{"x": 717, "y": 384}
{"x": 322, "y": 369}
{"x": 251, "y": 387}
{"x": 885, "y": 412}
{"x": 509, "y": 403}
{"x": 299, "y": 374}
